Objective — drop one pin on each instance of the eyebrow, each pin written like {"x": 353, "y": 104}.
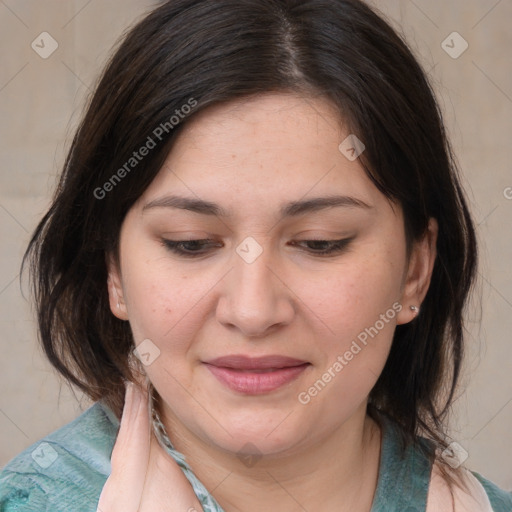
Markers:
{"x": 291, "y": 209}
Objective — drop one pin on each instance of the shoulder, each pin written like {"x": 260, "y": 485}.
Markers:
{"x": 476, "y": 494}
{"x": 500, "y": 499}
{"x": 412, "y": 478}
{"x": 65, "y": 470}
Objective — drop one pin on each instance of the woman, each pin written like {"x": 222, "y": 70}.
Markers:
{"x": 259, "y": 245}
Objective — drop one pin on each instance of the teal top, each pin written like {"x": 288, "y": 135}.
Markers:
{"x": 66, "y": 471}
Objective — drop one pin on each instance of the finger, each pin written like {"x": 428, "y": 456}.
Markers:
{"x": 129, "y": 461}
{"x": 166, "y": 487}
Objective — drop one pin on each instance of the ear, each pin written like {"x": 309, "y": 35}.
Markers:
{"x": 115, "y": 289}
{"x": 419, "y": 273}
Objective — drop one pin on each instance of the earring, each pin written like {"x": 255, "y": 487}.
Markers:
{"x": 416, "y": 309}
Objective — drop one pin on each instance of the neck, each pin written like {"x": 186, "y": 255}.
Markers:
{"x": 338, "y": 472}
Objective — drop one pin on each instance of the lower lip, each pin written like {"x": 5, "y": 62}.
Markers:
{"x": 251, "y": 383}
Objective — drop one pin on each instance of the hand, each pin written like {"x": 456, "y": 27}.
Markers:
{"x": 144, "y": 477}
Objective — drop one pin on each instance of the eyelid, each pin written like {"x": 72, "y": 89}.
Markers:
{"x": 336, "y": 246}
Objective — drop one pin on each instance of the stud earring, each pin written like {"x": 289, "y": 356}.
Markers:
{"x": 416, "y": 309}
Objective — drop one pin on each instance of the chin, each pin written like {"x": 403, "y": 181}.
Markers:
{"x": 259, "y": 437}
{"x": 258, "y": 446}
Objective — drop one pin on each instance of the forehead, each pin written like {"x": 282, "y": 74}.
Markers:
{"x": 269, "y": 122}
{"x": 261, "y": 152}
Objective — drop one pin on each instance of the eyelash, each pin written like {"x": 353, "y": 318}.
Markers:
{"x": 176, "y": 246}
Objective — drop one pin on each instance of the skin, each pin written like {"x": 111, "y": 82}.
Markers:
{"x": 250, "y": 157}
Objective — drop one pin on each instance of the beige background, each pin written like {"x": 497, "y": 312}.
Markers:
{"x": 40, "y": 101}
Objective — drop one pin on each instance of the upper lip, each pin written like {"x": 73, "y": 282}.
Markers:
{"x": 242, "y": 362}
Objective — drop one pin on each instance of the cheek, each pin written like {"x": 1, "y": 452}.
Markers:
{"x": 358, "y": 304}
{"x": 160, "y": 302}
{"x": 352, "y": 297}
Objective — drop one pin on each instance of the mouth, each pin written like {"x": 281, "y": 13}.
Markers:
{"x": 258, "y": 375}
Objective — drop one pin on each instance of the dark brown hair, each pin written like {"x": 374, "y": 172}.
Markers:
{"x": 215, "y": 52}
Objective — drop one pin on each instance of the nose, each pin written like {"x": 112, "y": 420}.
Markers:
{"x": 255, "y": 298}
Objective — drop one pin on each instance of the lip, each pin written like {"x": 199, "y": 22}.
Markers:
{"x": 242, "y": 362}
{"x": 255, "y": 375}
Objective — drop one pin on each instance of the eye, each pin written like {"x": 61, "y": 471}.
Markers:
{"x": 326, "y": 247}
{"x": 189, "y": 248}
{"x": 195, "y": 248}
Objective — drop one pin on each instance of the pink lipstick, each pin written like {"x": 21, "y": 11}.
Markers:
{"x": 255, "y": 375}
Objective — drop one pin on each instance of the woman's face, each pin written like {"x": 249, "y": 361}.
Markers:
{"x": 253, "y": 335}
